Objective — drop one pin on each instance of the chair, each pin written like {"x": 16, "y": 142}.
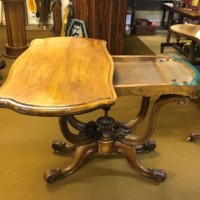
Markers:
{"x": 191, "y": 33}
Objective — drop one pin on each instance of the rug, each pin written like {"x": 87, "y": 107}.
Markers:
{"x": 134, "y": 46}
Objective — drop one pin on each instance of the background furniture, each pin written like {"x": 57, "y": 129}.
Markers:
{"x": 43, "y": 8}
{"x": 15, "y": 26}
{"x": 183, "y": 13}
{"x": 190, "y": 32}
{"x": 57, "y": 17}
{"x": 104, "y": 19}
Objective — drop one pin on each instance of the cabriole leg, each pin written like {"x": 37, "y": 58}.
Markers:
{"x": 156, "y": 174}
{"x": 80, "y": 154}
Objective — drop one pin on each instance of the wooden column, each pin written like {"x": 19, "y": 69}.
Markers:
{"x": 15, "y": 26}
{"x": 104, "y": 19}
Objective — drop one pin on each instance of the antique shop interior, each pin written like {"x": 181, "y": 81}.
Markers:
{"x": 139, "y": 142}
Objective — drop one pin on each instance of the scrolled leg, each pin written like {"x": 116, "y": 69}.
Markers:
{"x": 81, "y": 152}
{"x": 130, "y": 153}
{"x": 135, "y": 140}
{"x": 52, "y": 175}
{"x": 158, "y": 175}
{"x": 146, "y": 147}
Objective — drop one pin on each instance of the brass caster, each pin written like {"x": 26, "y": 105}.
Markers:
{"x": 146, "y": 147}
{"x": 194, "y": 136}
{"x": 158, "y": 175}
{"x": 51, "y": 176}
{"x": 59, "y": 146}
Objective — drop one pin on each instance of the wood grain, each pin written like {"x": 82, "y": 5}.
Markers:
{"x": 105, "y": 20}
{"x": 64, "y": 76}
{"x": 60, "y": 76}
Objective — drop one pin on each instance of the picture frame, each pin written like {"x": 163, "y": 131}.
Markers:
{"x": 76, "y": 29}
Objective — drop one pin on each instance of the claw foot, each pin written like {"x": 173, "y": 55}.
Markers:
{"x": 59, "y": 146}
{"x": 51, "y": 176}
{"x": 146, "y": 147}
{"x": 158, "y": 175}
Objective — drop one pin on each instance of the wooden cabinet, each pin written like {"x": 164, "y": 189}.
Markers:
{"x": 104, "y": 19}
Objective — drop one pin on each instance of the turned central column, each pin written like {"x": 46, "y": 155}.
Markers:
{"x": 15, "y": 26}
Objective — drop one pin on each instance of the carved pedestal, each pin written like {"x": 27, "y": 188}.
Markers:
{"x": 15, "y": 25}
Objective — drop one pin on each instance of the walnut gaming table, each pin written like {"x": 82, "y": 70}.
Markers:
{"x": 65, "y": 77}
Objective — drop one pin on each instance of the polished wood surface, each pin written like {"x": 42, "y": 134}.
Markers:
{"x": 60, "y": 75}
{"x": 190, "y": 31}
{"x": 80, "y": 77}
{"x": 105, "y": 20}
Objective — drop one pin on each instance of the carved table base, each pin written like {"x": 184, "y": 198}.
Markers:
{"x": 107, "y": 136}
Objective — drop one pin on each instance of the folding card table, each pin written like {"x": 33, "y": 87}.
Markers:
{"x": 64, "y": 77}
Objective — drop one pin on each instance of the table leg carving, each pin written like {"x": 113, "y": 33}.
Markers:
{"x": 146, "y": 147}
{"x": 80, "y": 154}
{"x": 60, "y": 146}
{"x": 161, "y": 101}
{"x": 86, "y": 130}
{"x": 156, "y": 174}
{"x": 133, "y": 124}
{"x": 107, "y": 136}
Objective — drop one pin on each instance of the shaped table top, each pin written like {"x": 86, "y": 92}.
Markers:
{"x": 66, "y": 76}
{"x": 58, "y": 76}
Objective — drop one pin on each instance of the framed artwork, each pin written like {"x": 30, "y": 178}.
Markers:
{"x": 76, "y": 29}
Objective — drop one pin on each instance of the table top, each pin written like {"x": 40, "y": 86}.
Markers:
{"x": 66, "y": 76}
{"x": 184, "y": 11}
{"x": 190, "y": 31}
{"x": 59, "y": 76}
